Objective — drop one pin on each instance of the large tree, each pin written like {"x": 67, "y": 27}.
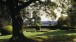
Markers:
{"x": 15, "y": 6}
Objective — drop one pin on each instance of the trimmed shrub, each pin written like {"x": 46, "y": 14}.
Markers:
{"x": 6, "y": 30}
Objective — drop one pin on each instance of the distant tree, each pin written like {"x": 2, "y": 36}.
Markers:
{"x": 63, "y": 21}
{"x": 72, "y": 14}
{"x": 37, "y": 20}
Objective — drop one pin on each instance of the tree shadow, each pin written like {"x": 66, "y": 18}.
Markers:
{"x": 58, "y": 36}
{"x": 57, "y": 32}
{"x": 4, "y": 40}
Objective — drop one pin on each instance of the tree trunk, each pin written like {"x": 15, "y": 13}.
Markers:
{"x": 17, "y": 21}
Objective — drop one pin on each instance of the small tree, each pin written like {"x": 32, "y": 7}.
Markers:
{"x": 37, "y": 20}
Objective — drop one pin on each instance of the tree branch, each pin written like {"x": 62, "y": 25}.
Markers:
{"x": 2, "y": 2}
{"x": 25, "y": 4}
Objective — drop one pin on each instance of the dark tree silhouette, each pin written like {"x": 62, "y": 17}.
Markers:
{"x": 15, "y": 8}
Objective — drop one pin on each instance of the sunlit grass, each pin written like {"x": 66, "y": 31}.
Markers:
{"x": 32, "y": 34}
{"x": 5, "y": 37}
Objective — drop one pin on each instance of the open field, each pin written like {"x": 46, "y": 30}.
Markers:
{"x": 47, "y": 36}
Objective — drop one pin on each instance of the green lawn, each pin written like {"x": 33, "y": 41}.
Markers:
{"x": 52, "y": 34}
{"x": 49, "y": 33}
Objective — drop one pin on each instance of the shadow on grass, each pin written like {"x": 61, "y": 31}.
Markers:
{"x": 4, "y": 40}
{"x": 62, "y": 38}
{"x": 57, "y": 32}
{"x": 59, "y": 39}
{"x": 57, "y": 36}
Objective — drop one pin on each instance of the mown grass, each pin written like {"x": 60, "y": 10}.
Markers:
{"x": 50, "y": 33}
{"x": 49, "y": 36}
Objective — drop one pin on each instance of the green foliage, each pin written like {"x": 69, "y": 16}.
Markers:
{"x": 72, "y": 14}
{"x": 8, "y": 28}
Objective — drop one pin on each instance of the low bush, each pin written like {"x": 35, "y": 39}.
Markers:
{"x": 6, "y": 30}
